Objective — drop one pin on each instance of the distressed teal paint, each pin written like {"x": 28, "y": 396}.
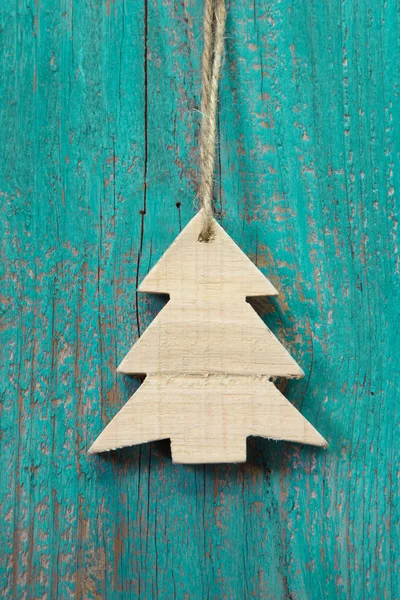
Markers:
{"x": 99, "y": 121}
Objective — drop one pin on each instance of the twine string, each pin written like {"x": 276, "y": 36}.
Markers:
{"x": 214, "y": 29}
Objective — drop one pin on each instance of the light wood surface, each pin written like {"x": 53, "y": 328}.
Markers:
{"x": 206, "y": 417}
{"x": 208, "y": 358}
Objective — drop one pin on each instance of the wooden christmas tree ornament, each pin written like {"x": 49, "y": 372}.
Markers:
{"x": 208, "y": 358}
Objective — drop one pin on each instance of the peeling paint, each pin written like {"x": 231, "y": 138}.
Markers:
{"x": 98, "y": 174}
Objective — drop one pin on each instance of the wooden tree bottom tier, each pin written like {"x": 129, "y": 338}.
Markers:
{"x": 206, "y": 417}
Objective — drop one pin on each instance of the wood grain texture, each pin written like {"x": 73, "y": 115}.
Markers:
{"x": 98, "y": 174}
{"x": 208, "y": 358}
{"x": 207, "y": 326}
{"x": 206, "y": 417}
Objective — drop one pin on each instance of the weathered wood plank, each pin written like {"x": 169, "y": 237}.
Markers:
{"x": 99, "y": 114}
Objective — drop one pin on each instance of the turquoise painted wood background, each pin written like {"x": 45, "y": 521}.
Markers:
{"x": 99, "y": 172}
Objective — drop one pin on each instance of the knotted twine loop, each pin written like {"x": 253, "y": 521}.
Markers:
{"x": 214, "y": 29}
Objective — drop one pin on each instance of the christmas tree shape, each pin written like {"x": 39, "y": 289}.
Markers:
{"x": 208, "y": 360}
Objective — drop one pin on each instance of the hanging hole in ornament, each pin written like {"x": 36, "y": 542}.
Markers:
{"x": 207, "y": 233}
{"x": 205, "y": 240}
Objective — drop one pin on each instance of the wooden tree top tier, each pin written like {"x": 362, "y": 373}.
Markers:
{"x": 216, "y": 269}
